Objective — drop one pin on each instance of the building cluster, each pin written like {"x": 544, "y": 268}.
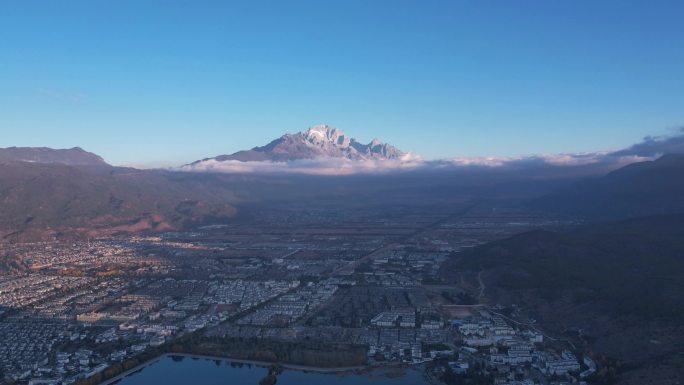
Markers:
{"x": 513, "y": 354}
{"x": 291, "y": 306}
{"x": 232, "y": 296}
{"x": 26, "y": 346}
{"x": 410, "y": 345}
{"x": 20, "y": 292}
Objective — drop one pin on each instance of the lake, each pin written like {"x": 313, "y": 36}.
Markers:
{"x": 175, "y": 370}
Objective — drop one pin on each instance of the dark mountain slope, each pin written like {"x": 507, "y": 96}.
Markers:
{"x": 644, "y": 188}
{"x": 635, "y": 265}
{"x": 38, "y": 199}
{"x": 615, "y": 288}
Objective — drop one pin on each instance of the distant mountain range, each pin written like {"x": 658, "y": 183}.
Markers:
{"x": 43, "y": 188}
{"x": 46, "y": 193}
{"x": 324, "y": 150}
{"x": 317, "y": 141}
{"x": 73, "y": 157}
{"x": 638, "y": 189}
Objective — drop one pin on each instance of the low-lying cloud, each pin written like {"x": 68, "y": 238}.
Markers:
{"x": 656, "y": 145}
{"x": 315, "y": 166}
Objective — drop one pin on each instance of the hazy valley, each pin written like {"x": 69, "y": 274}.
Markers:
{"x": 571, "y": 259}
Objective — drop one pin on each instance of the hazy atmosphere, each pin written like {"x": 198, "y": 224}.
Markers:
{"x": 341, "y": 192}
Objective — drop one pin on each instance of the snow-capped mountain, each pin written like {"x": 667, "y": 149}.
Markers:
{"x": 320, "y": 141}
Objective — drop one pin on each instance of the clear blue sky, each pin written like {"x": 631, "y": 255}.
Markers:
{"x": 166, "y": 82}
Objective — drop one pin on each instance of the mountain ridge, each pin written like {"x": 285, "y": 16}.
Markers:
{"x": 75, "y": 156}
{"x": 638, "y": 189}
{"x": 42, "y": 200}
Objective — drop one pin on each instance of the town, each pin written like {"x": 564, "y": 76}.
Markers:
{"x": 71, "y": 310}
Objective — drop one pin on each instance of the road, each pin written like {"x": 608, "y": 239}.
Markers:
{"x": 354, "y": 264}
{"x": 482, "y": 285}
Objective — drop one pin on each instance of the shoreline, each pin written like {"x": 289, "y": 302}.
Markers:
{"x": 265, "y": 364}
{"x": 301, "y": 368}
{"x": 129, "y": 372}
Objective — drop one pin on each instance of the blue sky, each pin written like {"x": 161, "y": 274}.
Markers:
{"x": 167, "y": 82}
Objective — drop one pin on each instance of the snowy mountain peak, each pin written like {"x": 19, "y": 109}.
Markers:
{"x": 323, "y": 135}
{"x": 323, "y": 132}
{"x": 320, "y": 130}
{"x": 316, "y": 142}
